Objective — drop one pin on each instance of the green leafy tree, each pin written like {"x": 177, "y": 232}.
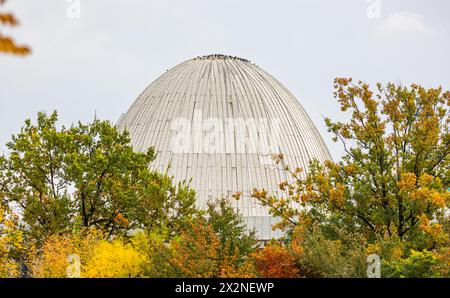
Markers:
{"x": 229, "y": 226}
{"x": 319, "y": 254}
{"x": 418, "y": 264}
{"x": 88, "y": 175}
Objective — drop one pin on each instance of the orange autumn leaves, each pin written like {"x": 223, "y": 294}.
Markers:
{"x": 7, "y": 44}
{"x": 275, "y": 261}
{"x": 199, "y": 253}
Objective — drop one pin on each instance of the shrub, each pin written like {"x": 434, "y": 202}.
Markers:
{"x": 418, "y": 264}
{"x": 275, "y": 261}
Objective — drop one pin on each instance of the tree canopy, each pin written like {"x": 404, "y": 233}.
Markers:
{"x": 390, "y": 190}
{"x": 83, "y": 191}
{"x": 88, "y": 175}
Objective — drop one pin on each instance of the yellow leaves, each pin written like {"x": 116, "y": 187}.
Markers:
{"x": 349, "y": 169}
{"x": 322, "y": 183}
{"x": 296, "y": 246}
{"x": 282, "y": 186}
{"x": 199, "y": 253}
{"x": 387, "y": 247}
{"x": 298, "y": 236}
{"x": 259, "y": 194}
{"x": 427, "y": 195}
{"x": 228, "y": 267}
{"x": 11, "y": 242}
{"x": 443, "y": 262}
{"x": 113, "y": 259}
{"x": 434, "y": 230}
{"x": 236, "y": 196}
{"x": 425, "y": 180}
{"x": 346, "y": 133}
{"x": 397, "y": 252}
{"x": 330, "y": 164}
{"x": 247, "y": 270}
{"x": 374, "y": 248}
{"x": 50, "y": 260}
{"x": 99, "y": 257}
{"x": 337, "y": 195}
{"x": 407, "y": 182}
{"x": 422, "y": 191}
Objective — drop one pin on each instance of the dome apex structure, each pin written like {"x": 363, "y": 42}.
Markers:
{"x": 221, "y": 57}
{"x": 218, "y": 120}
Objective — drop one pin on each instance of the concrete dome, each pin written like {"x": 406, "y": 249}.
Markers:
{"x": 218, "y": 120}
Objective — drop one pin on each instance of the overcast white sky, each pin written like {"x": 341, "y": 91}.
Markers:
{"x": 100, "y": 62}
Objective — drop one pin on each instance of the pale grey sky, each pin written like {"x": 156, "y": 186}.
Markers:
{"x": 100, "y": 62}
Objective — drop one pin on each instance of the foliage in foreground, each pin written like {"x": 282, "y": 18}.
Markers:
{"x": 389, "y": 193}
{"x": 88, "y": 176}
{"x": 82, "y": 192}
{"x": 196, "y": 252}
{"x": 11, "y": 243}
{"x": 7, "y": 44}
{"x": 214, "y": 245}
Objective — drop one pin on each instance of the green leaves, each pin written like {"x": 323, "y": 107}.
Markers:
{"x": 418, "y": 264}
{"x": 231, "y": 229}
{"x": 88, "y": 175}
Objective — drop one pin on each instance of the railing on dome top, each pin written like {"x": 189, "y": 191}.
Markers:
{"x": 221, "y": 57}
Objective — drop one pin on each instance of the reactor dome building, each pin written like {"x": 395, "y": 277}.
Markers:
{"x": 218, "y": 121}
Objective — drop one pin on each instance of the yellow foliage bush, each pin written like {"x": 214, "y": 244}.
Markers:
{"x": 11, "y": 242}
{"x": 51, "y": 259}
{"x": 98, "y": 257}
{"x": 114, "y": 259}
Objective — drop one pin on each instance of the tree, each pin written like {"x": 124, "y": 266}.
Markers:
{"x": 394, "y": 176}
{"x": 86, "y": 176}
{"x": 7, "y": 44}
{"x": 418, "y": 264}
{"x": 11, "y": 243}
{"x": 275, "y": 261}
{"x": 233, "y": 234}
{"x": 157, "y": 252}
{"x": 216, "y": 244}
{"x": 195, "y": 253}
{"x": 319, "y": 255}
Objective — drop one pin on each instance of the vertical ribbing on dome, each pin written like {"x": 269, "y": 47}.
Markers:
{"x": 223, "y": 87}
